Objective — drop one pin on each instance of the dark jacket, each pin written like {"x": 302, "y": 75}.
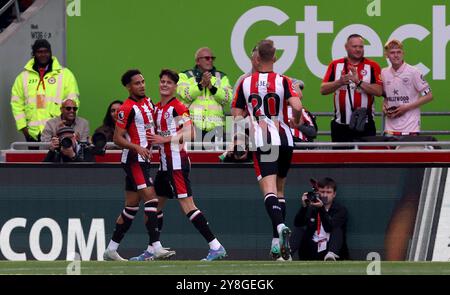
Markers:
{"x": 84, "y": 154}
{"x": 334, "y": 222}
{"x": 107, "y": 131}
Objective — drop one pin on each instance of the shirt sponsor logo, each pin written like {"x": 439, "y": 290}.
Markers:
{"x": 404, "y": 99}
{"x": 164, "y": 133}
{"x": 149, "y": 126}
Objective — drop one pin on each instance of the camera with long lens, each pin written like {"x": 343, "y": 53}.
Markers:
{"x": 238, "y": 152}
{"x": 97, "y": 148}
{"x": 65, "y": 142}
{"x": 99, "y": 143}
{"x": 313, "y": 195}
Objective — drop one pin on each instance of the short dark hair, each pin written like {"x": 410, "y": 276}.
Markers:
{"x": 354, "y": 36}
{"x": 126, "y": 78}
{"x": 40, "y": 43}
{"x": 266, "y": 50}
{"x": 327, "y": 182}
{"x": 171, "y": 74}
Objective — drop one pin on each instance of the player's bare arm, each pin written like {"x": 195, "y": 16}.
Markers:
{"x": 296, "y": 104}
{"x": 187, "y": 132}
{"x": 330, "y": 87}
{"x": 119, "y": 139}
{"x": 237, "y": 112}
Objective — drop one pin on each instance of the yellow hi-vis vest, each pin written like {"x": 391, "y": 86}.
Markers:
{"x": 207, "y": 110}
{"x": 32, "y": 105}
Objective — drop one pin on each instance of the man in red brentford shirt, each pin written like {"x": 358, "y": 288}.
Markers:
{"x": 355, "y": 81}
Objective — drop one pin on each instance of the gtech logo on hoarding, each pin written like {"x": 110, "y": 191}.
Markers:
{"x": 312, "y": 28}
{"x": 75, "y": 237}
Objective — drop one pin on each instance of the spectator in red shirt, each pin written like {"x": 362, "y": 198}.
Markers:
{"x": 355, "y": 81}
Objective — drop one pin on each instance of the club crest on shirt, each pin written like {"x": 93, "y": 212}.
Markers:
{"x": 363, "y": 72}
{"x": 51, "y": 80}
{"x": 166, "y": 115}
{"x": 405, "y": 80}
{"x": 121, "y": 115}
{"x": 293, "y": 86}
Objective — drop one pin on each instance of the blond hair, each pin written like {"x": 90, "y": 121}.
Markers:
{"x": 394, "y": 43}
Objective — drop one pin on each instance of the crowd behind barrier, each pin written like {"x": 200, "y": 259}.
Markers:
{"x": 45, "y": 101}
{"x": 207, "y": 93}
{"x": 10, "y": 10}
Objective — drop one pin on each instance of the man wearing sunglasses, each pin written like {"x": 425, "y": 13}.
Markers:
{"x": 67, "y": 118}
{"x": 207, "y": 93}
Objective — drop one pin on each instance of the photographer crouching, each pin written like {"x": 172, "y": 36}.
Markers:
{"x": 320, "y": 224}
{"x": 65, "y": 147}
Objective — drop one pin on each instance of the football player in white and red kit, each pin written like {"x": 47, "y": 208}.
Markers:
{"x": 265, "y": 96}
{"x": 134, "y": 124}
{"x": 173, "y": 128}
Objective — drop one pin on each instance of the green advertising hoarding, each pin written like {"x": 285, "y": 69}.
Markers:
{"x": 78, "y": 206}
{"x": 107, "y": 37}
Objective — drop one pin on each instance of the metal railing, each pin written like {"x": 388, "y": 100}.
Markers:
{"x": 16, "y": 8}
{"x": 220, "y": 147}
{"x": 22, "y": 145}
{"x": 380, "y": 114}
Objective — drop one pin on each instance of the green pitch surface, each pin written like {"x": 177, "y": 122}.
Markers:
{"x": 223, "y": 267}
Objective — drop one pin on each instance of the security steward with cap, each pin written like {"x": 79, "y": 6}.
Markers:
{"x": 65, "y": 147}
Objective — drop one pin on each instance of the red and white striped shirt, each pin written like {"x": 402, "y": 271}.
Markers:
{"x": 170, "y": 119}
{"x": 265, "y": 96}
{"x": 137, "y": 118}
{"x": 306, "y": 119}
{"x": 368, "y": 71}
